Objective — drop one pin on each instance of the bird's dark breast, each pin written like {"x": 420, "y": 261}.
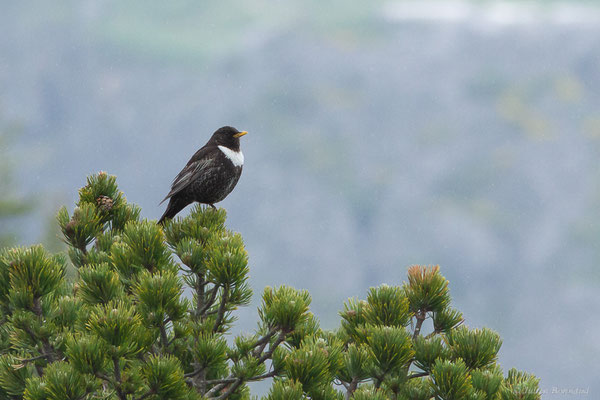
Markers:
{"x": 214, "y": 185}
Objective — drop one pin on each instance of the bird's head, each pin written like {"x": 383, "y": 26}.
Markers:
{"x": 227, "y": 136}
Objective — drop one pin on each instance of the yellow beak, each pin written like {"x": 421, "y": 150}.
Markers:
{"x": 240, "y": 134}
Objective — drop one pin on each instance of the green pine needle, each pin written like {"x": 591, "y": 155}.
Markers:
{"x": 387, "y": 305}
{"x": 164, "y": 377}
{"x": 284, "y": 307}
{"x": 391, "y": 349}
{"x": 99, "y": 284}
{"x": 451, "y": 380}
{"x": 427, "y": 290}
{"x": 427, "y": 351}
{"x": 478, "y": 348}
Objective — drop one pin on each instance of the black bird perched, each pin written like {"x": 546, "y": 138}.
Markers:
{"x": 210, "y": 175}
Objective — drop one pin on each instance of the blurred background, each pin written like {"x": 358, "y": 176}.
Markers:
{"x": 382, "y": 134}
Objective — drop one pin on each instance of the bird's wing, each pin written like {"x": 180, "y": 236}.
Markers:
{"x": 198, "y": 165}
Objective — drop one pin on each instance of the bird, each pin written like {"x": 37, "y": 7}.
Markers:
{"x": 210, "y": 175}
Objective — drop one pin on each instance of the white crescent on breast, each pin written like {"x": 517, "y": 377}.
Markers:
{"x": 236, "y": 157}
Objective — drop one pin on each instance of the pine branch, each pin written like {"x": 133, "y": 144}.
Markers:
{"x": 117, "y": 373}
{"x": 230, "y": 390}
{"x": 38, "y": 368}
{"x": 164, "y": 340}
{"x": 342, "y": 383}
{"x": 272, "y": 348}
{"x": 351, "y": 388}
{"x": 221, "y": 312}
{"x": 261, "y": 343}
{"x": 210, "y": 301}
{"x": 193, "y": 373}
{"x": 232, "y": 380}
{"x": 200, "y": 295}
{"x": 221, "y": 386}
{"x": 238, "y": 381}
{"x": 420, "y": 316}
{"x": 259, "y": 347}
{"x": 378, "y": 381}
{"x": 28, "y": 360}
{"x": 49, "y": 352}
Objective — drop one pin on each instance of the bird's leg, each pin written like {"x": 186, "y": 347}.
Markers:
{"x": 213, "y": 206}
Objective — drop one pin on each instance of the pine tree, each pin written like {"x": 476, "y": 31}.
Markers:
{"x": 150, "y": 314}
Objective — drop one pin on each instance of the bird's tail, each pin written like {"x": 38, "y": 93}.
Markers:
{"x": 173, "y": 208}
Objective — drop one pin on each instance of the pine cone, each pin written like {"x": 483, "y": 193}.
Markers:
{"x": 105, "y": 203}
{"x": 70, "y": 229}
